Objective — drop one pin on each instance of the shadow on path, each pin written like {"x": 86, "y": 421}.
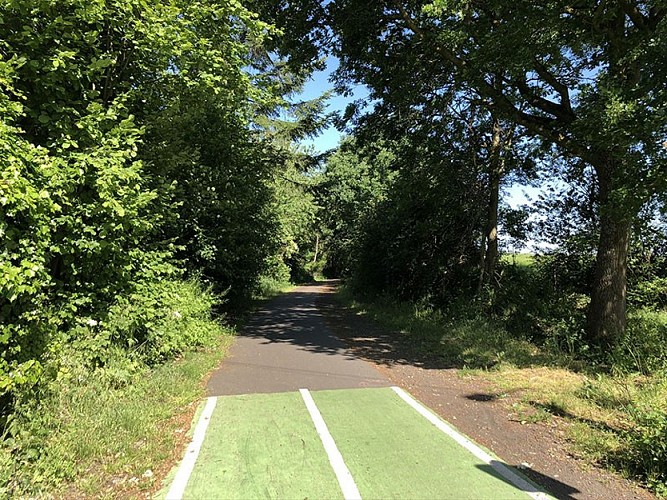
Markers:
{"x": 295, "y": 319}
{"x": 287, "y": 345}
{"x": 370, "y": 341}
{"x": 564, "y": 491}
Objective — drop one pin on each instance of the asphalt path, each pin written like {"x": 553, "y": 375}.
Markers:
{"x": 291, "y": 413}
{"x": 287, "y": 346}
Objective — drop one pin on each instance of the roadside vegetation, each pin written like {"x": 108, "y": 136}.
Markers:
{"x": 612, "y": 407}
{"x": 465, "y": 100}
{"x": 103, "y": 418}
{"x": 409, "y": 241}
{"x": 148, "y": 191}
{"x": 151, "y": 185}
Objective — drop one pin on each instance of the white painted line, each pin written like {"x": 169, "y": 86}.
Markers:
{"x": 502, "y": 469}
{"x": 347, "y": 484}
{"x": 188, "y": 464}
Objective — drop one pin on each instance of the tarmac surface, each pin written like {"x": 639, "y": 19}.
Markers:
{"x": 308, "y": 404}
{"x": 293, "y": 412}
{"x": 288, "y": 346}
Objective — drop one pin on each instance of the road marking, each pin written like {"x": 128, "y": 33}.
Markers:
{"x": 502, "y": 469}
{"x": 347, "y": 484}
{"x": 191, "y": 454}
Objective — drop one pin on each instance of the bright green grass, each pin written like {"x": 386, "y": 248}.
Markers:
{"x": 262, "y": 446}
{"x": 519, "y": 259}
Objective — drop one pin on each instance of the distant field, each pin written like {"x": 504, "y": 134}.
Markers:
{"x": 519, "y": 259}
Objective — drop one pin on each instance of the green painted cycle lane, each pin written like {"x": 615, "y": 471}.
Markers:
{"x": 266, "y": 446}
{"x": 393, "y": 452}
{"x": 262, "y": 446}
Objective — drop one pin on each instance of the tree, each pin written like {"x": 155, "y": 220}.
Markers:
{"x": 403, "y": 215}
{"x": 355, "y": 181}
{"x": 584, "y": 77}
{"x": 426, "y": 114}
{"x": 117, "y": 119}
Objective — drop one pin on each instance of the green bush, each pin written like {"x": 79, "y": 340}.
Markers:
{"x": 533, "y": 302}
{"x": 71, "y": 191}
{"x": 643, "y": 347}
{"x": 26, "y": 209}
{"x": 648, "y": 293}
{"x": 158, "y": 321}
{"x": 646, "y": 451}
{"x": 41, "y": 445}
{"x": 124, "y": 140}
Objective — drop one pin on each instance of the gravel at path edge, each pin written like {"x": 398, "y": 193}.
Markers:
{"x": 470, "y": 404}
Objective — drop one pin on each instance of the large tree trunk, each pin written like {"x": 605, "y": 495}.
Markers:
{"x": 607, "y": 311}
{"x": 491, "y": 256}
{"x": 317, "y": 248}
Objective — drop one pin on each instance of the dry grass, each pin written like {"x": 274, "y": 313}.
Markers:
{"x": 615, "y": 420}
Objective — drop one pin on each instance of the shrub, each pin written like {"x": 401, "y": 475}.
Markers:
{"x": 643, "y": 347}
{"x": 161, "y": 320}
{"x": 533, "y": 304}
{"x": 95, "y": 362}
{"x": 646, "y": 452}
{"x": 26, "y": 209}
{"x": 648, "y": 293}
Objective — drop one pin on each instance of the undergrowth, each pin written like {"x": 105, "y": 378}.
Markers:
{"x": 104, "y": 414}
{"x": 268, "y": 288}
{"x": 616, "y": 405}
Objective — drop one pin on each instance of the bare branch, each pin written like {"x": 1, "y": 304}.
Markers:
{"x": 559, "y": 111}
{"x": 635, "y": 16}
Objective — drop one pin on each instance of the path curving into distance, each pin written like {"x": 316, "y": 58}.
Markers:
{"x": 291, "y": 413}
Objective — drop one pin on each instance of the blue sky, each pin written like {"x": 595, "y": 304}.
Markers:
{"x": 328, "y": 139}
{"x": 317, "y": 86}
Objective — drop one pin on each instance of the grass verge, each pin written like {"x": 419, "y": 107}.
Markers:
{"x": 614, "y": 419}
{"x": 109, "y": 422}
{"x": 91, "y": 440}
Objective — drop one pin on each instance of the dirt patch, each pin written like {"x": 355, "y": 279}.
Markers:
{"x": 473, "y": 405}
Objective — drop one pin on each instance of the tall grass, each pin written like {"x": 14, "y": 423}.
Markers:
{"x": 617, "y": 407}
{"x": 102, "y": 423}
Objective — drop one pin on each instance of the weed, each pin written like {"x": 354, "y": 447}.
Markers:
{"x": 592, "y": 443}
{"x": 527, "y": 413}
{"x": 643, "y": 347}
{"x": 460, "y": 335}
{"x": 646, "y": 445}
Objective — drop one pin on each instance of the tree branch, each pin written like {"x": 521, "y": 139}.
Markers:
{"x": 635, "y": 16}
{"x": 536, "y": 124}
{"x": 417, "y": 30}
{"x": 557, "y": 110}
{"x": 559, "y": 87}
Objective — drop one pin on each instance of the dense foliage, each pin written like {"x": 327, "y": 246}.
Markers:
{"x": 584, "y": 81}
{"x": 132, "y": 157}
{"x": 150, "y": 175}
{"x": 128, "y": 157}
{"x": 399, "y": 225}
{"x": 471, "y": 96}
